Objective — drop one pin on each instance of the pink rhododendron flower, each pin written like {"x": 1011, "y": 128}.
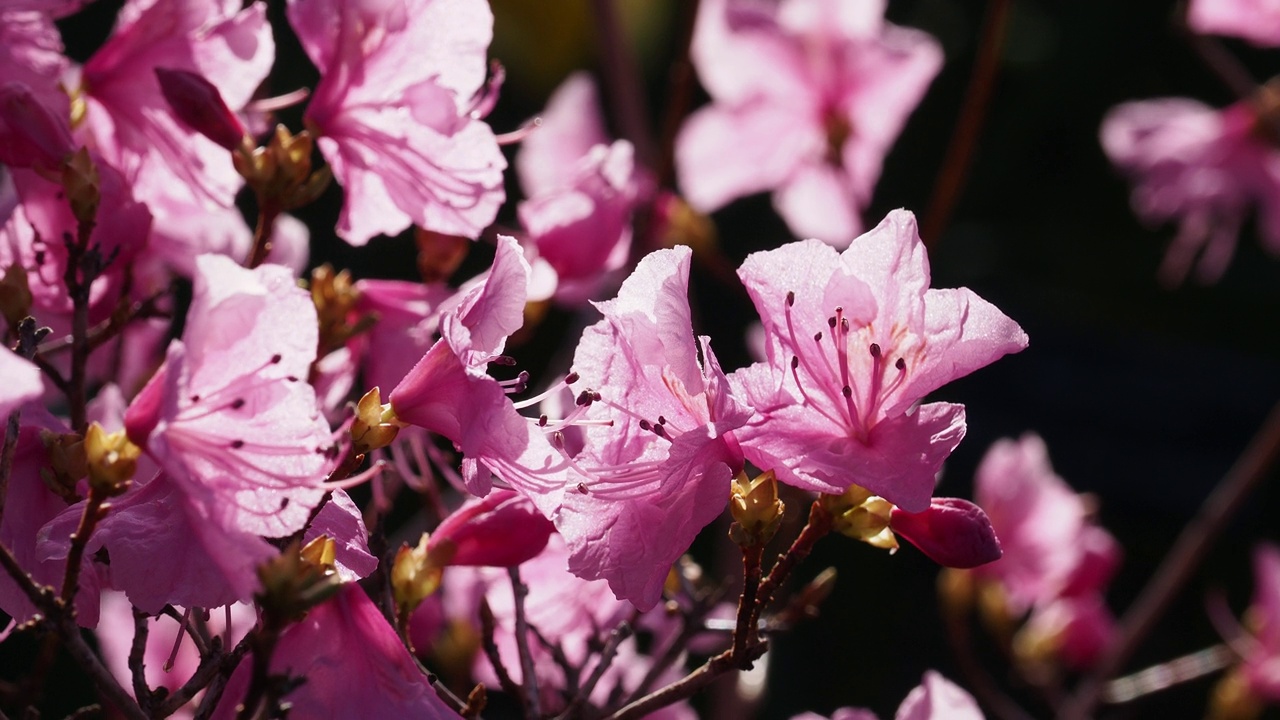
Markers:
{"x": 1257, "y": 21}
{"x": 1051, "y": 548}
{"x": 31, "y": 55}
{"x": 21, "y": 381}
{"x": 408, "y": 316}
{"x": 1202, "y": 167}
{"x": 449, "y": 391}
{"x": 660, "y": 470}
{"x": 935, "y": 698}
{"x": 354, "y": 665}
{"x": 856, "y": 340}
{"x": 582, "y": 192}
{"x": 126, "y": 116}
{"x": 230, "y": 416}
{"x": 809, "y": 96}
{"x": 1076, "y": 629}
{"x": 393, "y": 109}
{"x": 1262, "y": 665}
{"x": 952, "y": 532}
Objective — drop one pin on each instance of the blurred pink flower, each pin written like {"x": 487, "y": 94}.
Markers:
{"x": 1202, "y": 167}
{"x": 935, "y": 698}
{"x": 21, "y": 381}
{"x": 808, "y": 95}
{"x": 1051, "y": 547}
{"x": 856, "y": 341}
{"x": 396, "y": 110}
{"x": 354, "y": 664}
{"x": 581, "y": 192}
{"x": 1257, "y": 21}
{"x": 1262, "y": 664}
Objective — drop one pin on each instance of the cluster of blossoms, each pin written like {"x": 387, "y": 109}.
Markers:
{"x": 1204, "y": 167}
{"x": 185, "y": 416}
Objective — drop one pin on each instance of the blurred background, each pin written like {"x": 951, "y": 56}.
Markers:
{"x": 1144, "y": 395}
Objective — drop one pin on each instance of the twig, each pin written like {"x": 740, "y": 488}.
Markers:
{"x": 106, "y": 683}
{"x": 268, "y": 211}
{"x": 214, "y": 666}
{"x": 616, "y": 638}
{"x": 93, "y": 508}
{"x": 491, "y": 650}
{"x": 1182, "y": 559}
{"x": 530, "y": 684}
{"x": 29, "y": 337}
{"x": 1169, "y": 673}
{"x": 819, "y": 525}
{"x": 973, "y": 113}
{"x": 690, "y": 684}
{"x": 104, "y": 331}
{"x": 622, "y": 80}
{"x": 137, "y": 654}
{"x": 745, "y": 629}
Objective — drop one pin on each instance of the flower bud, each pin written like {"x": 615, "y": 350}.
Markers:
{"x": 757, "y": 511}
{"x": 416, "y": 572}
{"x": 111, "y": 460}
{"x": 198, "y": 105}
{"x": 30, "y": 134}
{"x": 294, "y": 582}
{"x": 502, "y": 529}
{"x": 952, "y": 532}
{"x": 280, "y": 173}
{"x": 375, "y": 424}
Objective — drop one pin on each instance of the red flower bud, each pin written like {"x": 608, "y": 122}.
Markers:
{"x": 952, "y": 532}
{"x": 198, "y": 105}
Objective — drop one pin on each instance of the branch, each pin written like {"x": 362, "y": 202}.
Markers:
{"x": 1190, "y": 549}
{"x": 690, "y": 684}
{"x": 530, "y": 684}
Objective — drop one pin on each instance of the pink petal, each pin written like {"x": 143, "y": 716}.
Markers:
{"x": 571, "y": 126}
{"x": 937, "y": 698}
{"x": 341, "y": 521}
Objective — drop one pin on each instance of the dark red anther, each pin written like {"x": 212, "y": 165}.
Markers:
{"x": 795, "y": 361}
{"x": 817, "y": 337}
{"x": 571, "y": 378}
{"x": 791, "y": 298}
{"x": 875, "y": 350}
{"x": 901, "y": 364}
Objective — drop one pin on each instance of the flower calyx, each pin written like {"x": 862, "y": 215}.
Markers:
{"x": 860, "y": 515}
{"x": 335, "y": 296}
{"x": 110, "y": 460}
{"x": 298, "y": 579}
{"x": 375, "y": 424}
{"x": 67, "y": 463}
{"x": 280, "y": 172}
{"x": 416, "y": 572}
{"x": 757, "y": 511}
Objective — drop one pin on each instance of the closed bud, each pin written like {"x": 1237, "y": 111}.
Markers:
{"x": 111, "y": 460}
{"x": 30, "y": 134}
{"x": 198, "y": 105}
{"x": 375, "y": 424}
{"x": 416, "y": 573}
{"x": 82, "y": 186}
{"x": 757, "y": 511}
{"x": 15, "y": 295}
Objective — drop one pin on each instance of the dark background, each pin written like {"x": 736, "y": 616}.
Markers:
{"x": 1144, "y": 395}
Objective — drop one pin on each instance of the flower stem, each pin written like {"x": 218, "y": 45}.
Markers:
{"x": 530, "y": 684}
{"x": 956, "y": 163}
{"x": 745, "y": 630}
{"x": 819, "y": 525}
{"x": 1188, "y": 551}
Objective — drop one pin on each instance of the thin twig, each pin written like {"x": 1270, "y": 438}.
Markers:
{"x": 75, "y": 556}
{"x": 690, "y": 684}
{"x": 956, "y": 163}
{"x": 616, "y": 638}
{"x": 745, "y": 629}
{"x": 217, "y": 664}
{"x": 530, "y": 684}
{"x": 491, "y": 650}
{"x": 819, "y": 525}
{"x": 1190, "y": 549}
{"x": 137, "y": 656}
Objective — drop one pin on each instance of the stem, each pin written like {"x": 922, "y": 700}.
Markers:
{"x": 88, "y": 520}
{"x": 622, "y": 81}
{"x": 616, "y": 638}
{"x": 491, "y": 651}
{"x": 137, "y": 652}
{"x": 819, "y": 525}
{"x": 973, "y": 114}
{"x": 215, "y": 667}
{"x": 745, "y": 630}
{"x": 105, "y": 330}
{"x": 1190, "y": 549}
{"x": 268, "y": 211}
{"x": 263, "y": 642}
{"x": 106, "y": 683}
{"x": 690, "y": 684}
{"x": 1169, "y": 673}
{"x": 520, "y": 591}
{"x": 79, "y": 278}
{"x": 29, "y": 337}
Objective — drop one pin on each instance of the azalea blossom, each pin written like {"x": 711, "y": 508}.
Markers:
{"x": 1261, "y": 667}
{"x": 855, "y": 341}
{"x": 121, "y": 111}
{"x": 657, "y": 453}
{"x": 396, "y": 110}
{"x": 808, "y": 95}
{"x": 230, "y": 417}
{"x": 1203, "y": 168}
{"x": 1257, "y": 21}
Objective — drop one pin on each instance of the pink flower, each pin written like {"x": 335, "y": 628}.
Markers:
{"x": 394, "y": 111}
{"x": 1262, "y": 664}
{"x": 1051, "y": 548}
{"x": 1257, "y": 21}
{"x": 408, "y": 317}
{"x": 935, "y": 698}
{"x": 582, "y": 192}
{"x": 126, "y": 115}
{"x": 341, "y": 521}
{"x": 21, "y": 382}
{"x": 856, "y": 340}
{"x": 1202, "y": 167}
{"x": 354, "y": 666}
{"x": 31, "y": 53}
{"x": 808, "y": 97}
{"x": 660, "y": 469}
{"x": 230, "y": 415}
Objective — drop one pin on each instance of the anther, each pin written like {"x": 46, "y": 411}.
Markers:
{"x": 503, "y": 360}
{"x": 847, "y": 391}
{"x": 571, "y": 378}
{"x": 646, "y": 425}
{"x": 817, "y": 337}
{"x": 831, "y": 322}
{"x": 276, "y": 358}
{"x": 237, "y": 403}
{"x": 795, "y": 361}
{"x": 662, "y": 420}
{"x": 582, "y": 488}
{"x": 659, "y": 431}
{"x": 237, "y": 444}
{"x": 875, "y": 350}
{"x": 791, "y": 298}
{"x": 584, "y": 398}
{"x": 542, "y": 421}
{"x": 901, "y": 364}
